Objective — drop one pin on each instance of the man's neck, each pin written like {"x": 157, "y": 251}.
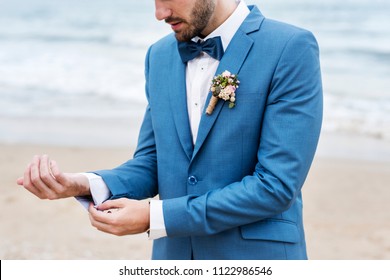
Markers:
{"x": 223, "y": 10}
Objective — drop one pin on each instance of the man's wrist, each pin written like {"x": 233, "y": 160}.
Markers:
{"x": 82, "y": 184}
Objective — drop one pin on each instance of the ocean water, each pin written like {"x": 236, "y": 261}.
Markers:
{"x": 82, "y": 59}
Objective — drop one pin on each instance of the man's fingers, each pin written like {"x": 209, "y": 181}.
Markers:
{"x": 131, "y": 217}
{"x": 98, "y": 217}
{"x": 28, "y": 185}
{"x": 94, "y": 217}
{"x": 107, "y": 228}
{"x": 20, "y": 181}
{"x": 36, "y": 181}
{"x": 57, "y": 174}
{"x": 44, "y": 168}
{"x": 46, "y": 174}
{"x": 104, "y": 221}
{"x": 43, "y": 178}
{"x": 110, "y": 204}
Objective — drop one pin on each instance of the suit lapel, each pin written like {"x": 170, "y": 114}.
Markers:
{"x": 232, "y": 61}
{"x": 178, "y": 101}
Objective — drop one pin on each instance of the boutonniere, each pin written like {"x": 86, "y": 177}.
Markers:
{"x": 223, "y": 87}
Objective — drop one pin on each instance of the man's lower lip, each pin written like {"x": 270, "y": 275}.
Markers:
{"x": 176, "y": 26}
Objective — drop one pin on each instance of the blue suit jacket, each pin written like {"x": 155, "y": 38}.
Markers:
{"x": 236, "y": 193}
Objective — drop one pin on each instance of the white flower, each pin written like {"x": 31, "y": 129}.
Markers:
{"x": 226, "y": 73}
{"x": 224, "y": 94}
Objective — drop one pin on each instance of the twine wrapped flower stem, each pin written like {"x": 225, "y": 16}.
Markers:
{"x": 224, "y": 87}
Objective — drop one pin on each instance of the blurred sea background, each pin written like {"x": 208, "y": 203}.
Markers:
{"x": 71, "y": 71}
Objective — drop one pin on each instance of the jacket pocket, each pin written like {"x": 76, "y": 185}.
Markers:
{"x": 272, "y": 230}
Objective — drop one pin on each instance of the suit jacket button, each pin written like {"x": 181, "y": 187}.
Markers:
{"x": 192, "y": 180}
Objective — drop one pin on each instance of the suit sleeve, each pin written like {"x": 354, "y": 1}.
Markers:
{"x": 136, "y": 178}
{"x": 289, "y": 136}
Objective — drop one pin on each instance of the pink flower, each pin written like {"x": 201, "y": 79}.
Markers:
{"x": 230, "y": 89}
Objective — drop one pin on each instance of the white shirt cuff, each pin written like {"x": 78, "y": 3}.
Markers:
{"x": 157, "y": 223}
{"x": 101, "y": 193}
{"x": 98, "y": 188}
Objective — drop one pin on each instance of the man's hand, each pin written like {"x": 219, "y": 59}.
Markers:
{"x": 44, "y": 179}
{"x": 121, "y": 216}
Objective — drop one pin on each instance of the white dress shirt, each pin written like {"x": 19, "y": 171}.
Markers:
{"x": 199, "y": 74}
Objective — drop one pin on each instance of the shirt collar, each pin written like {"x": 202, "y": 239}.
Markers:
{"x": 227, "y": 29}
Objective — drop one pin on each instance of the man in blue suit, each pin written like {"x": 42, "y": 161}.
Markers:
{"x": 229, "y": 181}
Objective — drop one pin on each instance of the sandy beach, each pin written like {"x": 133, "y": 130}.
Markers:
{"x": 347, "y": 214}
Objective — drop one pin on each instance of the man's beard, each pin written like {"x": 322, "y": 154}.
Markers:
{"x": 200, "y": 17}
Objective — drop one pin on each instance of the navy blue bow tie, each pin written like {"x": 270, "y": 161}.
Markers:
{"x": 190, "y": 50}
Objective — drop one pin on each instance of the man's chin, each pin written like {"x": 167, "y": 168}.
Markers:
{"x": 181, "y": 38}
{"x": 184, "y": 35}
